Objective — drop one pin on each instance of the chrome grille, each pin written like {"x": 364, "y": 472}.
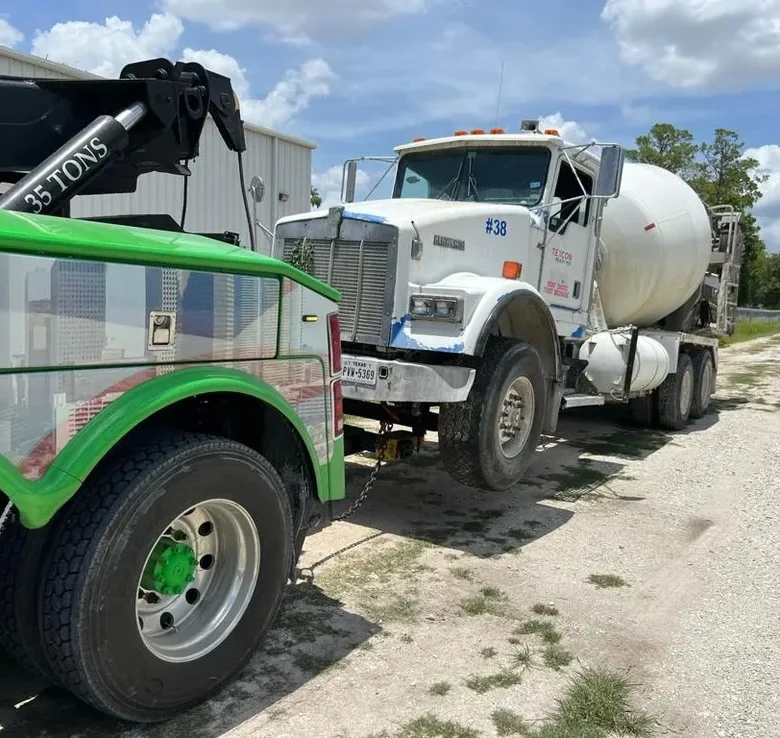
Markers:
{"x": 361, "y": 270}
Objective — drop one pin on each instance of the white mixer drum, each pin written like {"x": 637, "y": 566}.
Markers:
{"x": 657, "y": 242}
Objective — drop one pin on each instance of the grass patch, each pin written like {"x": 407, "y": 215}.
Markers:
{"x": 440, "y": 689}
{"x": 397, "y": 610}
{"x": 747, "y": 330}
{"x": 541, "y": 609}
{"x": 429, "y": 726}
{"x": 626, "y": 443}
{"x": 490, "y": 601}
{"x": 461, "y": 572}
{"x": 508, "y": 723}
{"x": 519, "y": 534}
{"x": 543, "y": 628}
{"x": 500, "y": 680}
{"x": 598, "y": 703}
{"x": 607, "y": 581}
{"x": 556, "y": 657}
{"x": 380, "y": 566}
{"x": 574, "y": 482}
{"x": 314, "y": 663}
{"x": 488, "y": 653}
{"x": 406, "y": 638}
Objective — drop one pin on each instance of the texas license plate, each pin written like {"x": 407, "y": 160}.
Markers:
{"x": 359, "y": 371}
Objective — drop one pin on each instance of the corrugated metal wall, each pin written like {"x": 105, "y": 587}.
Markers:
{"x": 214, "y": 200}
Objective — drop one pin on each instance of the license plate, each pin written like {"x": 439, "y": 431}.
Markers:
{"x": 359, "y": 371}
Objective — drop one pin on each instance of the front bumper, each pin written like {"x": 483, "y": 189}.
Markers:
{"x": 381, "y": 380}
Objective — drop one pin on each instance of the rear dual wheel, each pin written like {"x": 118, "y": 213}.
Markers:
{"x": 682, "y": 396}
{"x": 163, "y": 576}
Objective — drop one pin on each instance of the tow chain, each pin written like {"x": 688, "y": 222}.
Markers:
{"x": 385, "y": 428}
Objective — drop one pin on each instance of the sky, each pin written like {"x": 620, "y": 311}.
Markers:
{"x": 358, "y": 77}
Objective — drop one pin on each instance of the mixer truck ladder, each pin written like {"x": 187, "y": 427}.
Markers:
{"x": 725, "y": 263}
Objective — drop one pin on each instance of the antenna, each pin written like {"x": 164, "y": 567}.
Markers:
{"x": 500, "y": 88}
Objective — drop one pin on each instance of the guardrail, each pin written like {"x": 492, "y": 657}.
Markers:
{"x": 758, "y": 314}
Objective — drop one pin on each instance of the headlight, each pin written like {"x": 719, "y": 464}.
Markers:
{"x": 431, "y": 307}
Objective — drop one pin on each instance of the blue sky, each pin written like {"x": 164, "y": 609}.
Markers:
{"x": 360, "y": 76}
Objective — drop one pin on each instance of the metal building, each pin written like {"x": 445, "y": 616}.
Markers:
{"x": 214, "y": 198}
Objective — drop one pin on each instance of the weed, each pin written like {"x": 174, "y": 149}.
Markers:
{"x": 541, "y": 609}
{"x": 366, "y": 646}
{"x": 488, "y": 653}
{"x": 429, "y": 726}
{"x": 524, "y": 658}
{"x": 490, "y": 601}
{"x": 399, "y": 609}
{"x": 508, "y": 723}
{"x": 407, "y": 638}
{"x": 461, "y": 572}
{"x": 555, "y": 657}
{"x": 501, "y": 679}
{"x": 607, "y": 581}
{"x": 543, "y": 628}
{"x": 440, "y": 689}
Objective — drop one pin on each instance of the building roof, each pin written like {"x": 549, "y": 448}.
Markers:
{"x": 74, "y": 73}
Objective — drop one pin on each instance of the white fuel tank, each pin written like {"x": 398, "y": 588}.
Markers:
{"x": 607, "y": 356}
{"x": 657, "y": 241}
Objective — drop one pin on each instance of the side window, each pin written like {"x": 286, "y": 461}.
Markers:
{"x": 568, "y": 188}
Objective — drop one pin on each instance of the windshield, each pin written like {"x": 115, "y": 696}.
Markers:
{"x": 515, "y": 176}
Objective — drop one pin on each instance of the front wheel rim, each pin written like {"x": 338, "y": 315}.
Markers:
{"x": 516, "y": 417}
{"x": 197, "y": 581}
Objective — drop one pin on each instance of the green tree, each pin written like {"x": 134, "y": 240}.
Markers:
{"x": 728, "y": 177}
{"x": 316, "y": 200}
{"x": 668, "y": 147}
{"x": 767, "y": 292}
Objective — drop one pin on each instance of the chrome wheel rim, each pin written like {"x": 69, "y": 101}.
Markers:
{"x": 706, "y": 384}
{"x": 516, "y": 417}
{"x": 197, "y": 581}
{"x": 686, "y": 392}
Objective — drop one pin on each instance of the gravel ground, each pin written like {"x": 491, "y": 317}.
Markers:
{"x": 427, "y": 615}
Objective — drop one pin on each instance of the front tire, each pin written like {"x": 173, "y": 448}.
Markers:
{"x": 141, "y": 618}
{"x": 488, "y": 441}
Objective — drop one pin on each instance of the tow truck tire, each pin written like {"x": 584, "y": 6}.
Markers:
{"x": 488, "y": 441}
{"x": 165, "y": 574}
{"x": 21, "y": 551}
{"x": 703, "y": 382}
{"x": 675, "y": 395}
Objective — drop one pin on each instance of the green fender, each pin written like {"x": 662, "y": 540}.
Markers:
{"x": 38, "y": 501}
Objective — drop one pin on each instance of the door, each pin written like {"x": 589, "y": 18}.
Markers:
{"x": 569, "y": 237}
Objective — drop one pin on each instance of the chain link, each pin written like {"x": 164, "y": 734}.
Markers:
{"x": 384, "y": 431}
{"x": 307, "y": 572}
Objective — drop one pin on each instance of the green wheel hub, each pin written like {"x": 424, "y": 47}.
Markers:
{"x": 171, "y": 567}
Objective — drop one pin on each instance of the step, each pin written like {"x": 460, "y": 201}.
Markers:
{"x": 576, "y": 399}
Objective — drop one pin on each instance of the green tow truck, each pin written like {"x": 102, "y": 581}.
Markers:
{"x": 171, "y": 421}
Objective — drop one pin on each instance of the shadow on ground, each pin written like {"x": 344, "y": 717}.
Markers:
{"x": 417, "y": 499}
{"x": 313, "y": 633}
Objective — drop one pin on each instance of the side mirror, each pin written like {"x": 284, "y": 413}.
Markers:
{"x": 351, "y": 180}
{"x": 257, "y": 189}
{"x": 610, "y": 172}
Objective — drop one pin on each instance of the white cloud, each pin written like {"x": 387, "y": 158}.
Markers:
{"x": 291, "y": 95}
{"x": 570, "y": 130}
{"x": 299, "y": 21}
{"x": 698, "y": 43}
{"x": 104, "y": 49}
{"x": 767, "y": 210}
{"x": 9, "y": 36}
{"x": 328, "y": 184}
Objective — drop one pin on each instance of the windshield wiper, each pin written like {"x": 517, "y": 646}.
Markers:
{"x": 454, "y": 181}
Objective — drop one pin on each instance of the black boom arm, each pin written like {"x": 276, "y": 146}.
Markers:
{"x": 60, "y": 138}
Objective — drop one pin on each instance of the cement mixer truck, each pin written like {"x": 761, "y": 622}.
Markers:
{"x": 513, "y": 275}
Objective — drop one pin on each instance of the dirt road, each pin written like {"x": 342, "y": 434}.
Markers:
{"x": 646, "y": 552}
